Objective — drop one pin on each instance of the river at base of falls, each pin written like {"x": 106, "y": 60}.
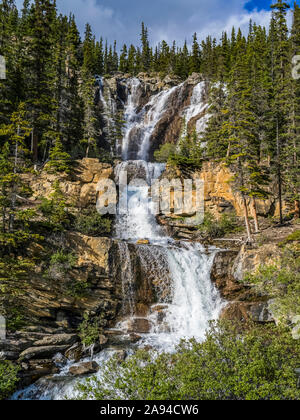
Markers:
{"x": 190, "y": 300}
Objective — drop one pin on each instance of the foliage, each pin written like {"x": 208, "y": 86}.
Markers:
{"x": 258, "y": 364}
{"x": 63, "y": 259}
{"x": 60, "y": 264}
{"x": 55, "y": 209}
{"x": 293, "y": 237}
{"x": 59, "y": 160}
{"x": 165, "y": 151}
{"x": 281, "y": 281}
{"x": 8, "y": 378}
{"x": 218, "y": 228}
{"x": 90, "y": 222}
{"x": 89, "y": 330}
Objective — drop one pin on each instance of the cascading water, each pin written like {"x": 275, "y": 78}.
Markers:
{"x": 192, "y": 300}
{"x": 198, "y": 106}
{"x": 140, "y": 125}
{"x": 179, "y": 270}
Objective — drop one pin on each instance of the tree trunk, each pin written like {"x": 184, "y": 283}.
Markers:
{"x": 254, "y": 213}
{"x": 34, "y": 147}
{"x": 246, "y": 215}
{"x": 297, "y": 209}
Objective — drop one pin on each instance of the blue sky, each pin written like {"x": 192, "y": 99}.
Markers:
{"x": 166, "y": 19}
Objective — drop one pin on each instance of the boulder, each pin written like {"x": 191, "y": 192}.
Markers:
{"x": 248, "y": 311}
{"x": 121, "y": 355}
{"x": 84, "y": 368}
{"x": 74, "y": 352}
{"x": 103, "y": 340}
{"x": 143, "y": 242}
{"x": 57, "y": 340}
{"x": 43, "y": 352}
{"x": 139, "y": 325}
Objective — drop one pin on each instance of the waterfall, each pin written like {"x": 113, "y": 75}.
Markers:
{"x": 198, "y": 107}
{"x": 141, "y": 124}
{"x": 178, "y": 270}
{"x": 190, "y": 300}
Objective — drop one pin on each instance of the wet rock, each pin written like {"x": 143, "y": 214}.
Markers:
{"x": 141, "y": 309}
{"x": 221, "y": 275}
{"x": 139, "y": 325}
{"x": 121, "y": 355}
{"x": 36, "y": 369}
{"x": 103, "y": 340}
{"x": 158, "y": 308}
{"x": 134, "y": 338}
{"x": 84, "y": 368}
{"x": 74, "y": 352}
{"x": 42, "y": 352}
{"x": 9, "y": 355}
{"x": 57, "y": 340}
{"x": 59, "y": 359}
{"x": 247, "y": 311}
{"x": 143, "y": 242}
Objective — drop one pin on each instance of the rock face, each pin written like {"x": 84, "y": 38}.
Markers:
{"x": 79, "y": 187}
{"x": 228, "y": 271}
{"x": 114, "y": 91}
{"x": 50, "y": 300}
{"x": 84, "y": 368}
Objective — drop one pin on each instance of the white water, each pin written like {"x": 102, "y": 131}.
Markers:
{"x": 179, "y": 270}
{"x": 197, "y": 107}
{"x": 192, "y": 300}
{"x": 140, "y": 125}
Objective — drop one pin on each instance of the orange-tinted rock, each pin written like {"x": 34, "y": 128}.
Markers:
{"x": 139, "y": 325}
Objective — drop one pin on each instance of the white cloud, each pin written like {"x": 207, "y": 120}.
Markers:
{"x": 166, "y": 19}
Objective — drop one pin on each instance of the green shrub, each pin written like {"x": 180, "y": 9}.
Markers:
{"x": 90, "y": 222}
{"x": 89, "y": 330}
{"x": 165, "y": 151}
{"x": 281, "y": 282}
{"x": 293, "y": 237}
{"x": 214, "y": 228}
{"x": 60, "y": 263}
{"x": 63, "y": 258}
{"x": 55, "y": 209}
{"x": 8, "y": 378}
{"x": 258, "y": 364}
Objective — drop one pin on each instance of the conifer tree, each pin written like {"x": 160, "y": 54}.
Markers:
{"x": 280, "y": 103}
{"x": 195, "y": 56}
{"x": 146, "y": 56}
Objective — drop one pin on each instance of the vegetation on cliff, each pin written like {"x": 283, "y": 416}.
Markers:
{"x": 8, "y": 378}
{"x": 255, "y": 364}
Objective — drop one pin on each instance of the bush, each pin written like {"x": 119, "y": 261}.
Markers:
{"x": 258, "y": 364}
{"x": 214, "y": 228}
{"x": 281, "y": 282}
{"x": 165, "y": 151}
{"x": 55, "y": 210}
{"x": 293, "y": 237}
{"x": 89, "y": 330}
{"x": 60, "y": 263}
{"x": 63, "y": 258}
{"x": 8, "y": 378}
{"x": 90, "y": 222}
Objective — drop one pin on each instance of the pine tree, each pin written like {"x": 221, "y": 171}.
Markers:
{"x": 123, "y": 66}
{"x": 40, "y": 69}
{"x": 292, "y": 149}
{"x": 280, "y": 70}
{"x": 14, "y": 157}
{"x": 59, "y": 160}
{"x": 146, "y": 56}
{"x": 195, "y": 56}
